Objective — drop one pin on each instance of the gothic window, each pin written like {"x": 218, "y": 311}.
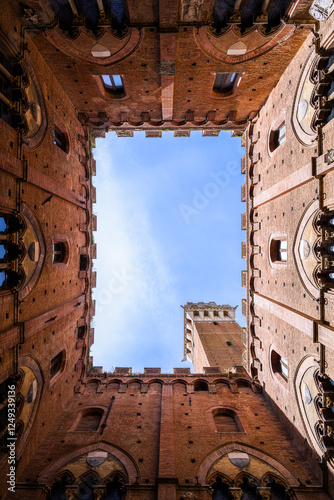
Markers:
{"x": 86, "y": 487}
{"x": 220, "y": 490}
{"x": 57, "y": 364}
{"x": 61, "y": 140}
{"x": 226, "y": 421}
{"x": 113, "y": 84}
{"x": 226, "y": 83}
{"x": 200, "y": 386}
{"x": 60, "y": 252}
{"x": 279, "y": 365}
{"x": 114, "y": 489}
{"x": 90, "y": 420}
{"x": 249, "y": 489}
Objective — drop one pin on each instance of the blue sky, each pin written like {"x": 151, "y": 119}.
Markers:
{"x": 169, "y": 232}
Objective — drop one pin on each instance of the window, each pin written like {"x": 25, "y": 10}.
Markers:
{"x": 226, "y": 83}
{"x": 278, "y": 250}
{"x": 282, "y": 250}
{"x": 200, "y": 386}
{"x": 114, "y": 489}
{"x": 83, "y": 262}
{"x": 57, "y": 364}
{"x": 59, "y": 252}
{"x": 113, "y": 83}
{"x": 277, "y": 137}
{"x": 90, "y": 421}
{"x": 226, "y": 421}
{"x": 279, "y": 365}
{"x": 81, "y": 332}
{"x": 61, "y": 140}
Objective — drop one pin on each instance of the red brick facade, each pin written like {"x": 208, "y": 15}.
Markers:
{"x": 183, "y": 65}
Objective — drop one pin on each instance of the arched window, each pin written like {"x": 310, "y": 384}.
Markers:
{"x": 57, "y": 364}
{"x": 226, "y": 421}
{"x": 114, "y": 489}
{"x": 90, "y": 420}
{"x": 277, "y": 137}
{"x": 249, "y": 489}
{"x": 61, "y": 140}
{"x": 279, "y": 250}
{"x": 114, "y": 84}
{"x": 200, "y": 385}
{"x": 220, "y": 490}
{"x": 86, "y": 487}
{"x": 59, "y": 252}
{"x": 226, "y": 83}
{"x": 279, "y": 365}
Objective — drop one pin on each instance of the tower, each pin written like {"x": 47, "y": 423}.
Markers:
{"x": 212, "y": 337}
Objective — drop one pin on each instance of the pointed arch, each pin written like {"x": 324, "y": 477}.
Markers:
{"x": 127, "y": 461}
{"x": 211, "y": 458}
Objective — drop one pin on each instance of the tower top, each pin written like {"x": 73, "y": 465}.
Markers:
{"x": 202, "y": 312}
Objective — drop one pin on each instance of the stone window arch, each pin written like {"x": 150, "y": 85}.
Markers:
{"x": 59, "y": 484}
{"x": 60, "y": 252}
{"x": 226, "y": 420}
{"x": 86, "y": 485}
{"x": 220, "y": 489}
{"x": 115, "y": 488}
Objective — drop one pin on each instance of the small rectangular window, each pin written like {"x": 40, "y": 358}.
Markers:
{"x": 113, "y": 83}
{"x": 226, "y": 83}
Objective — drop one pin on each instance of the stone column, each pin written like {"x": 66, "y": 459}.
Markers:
{"x": 264, "y": 492}
{"x": 71, "y": 492}
{"x": 236, "y": 493}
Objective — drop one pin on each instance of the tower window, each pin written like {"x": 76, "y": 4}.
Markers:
{"x": 226, "y": 421}
{"x": 226, "y": 83}
{"x": 277, "y": 137}
{"x": 90, "y": 421}
{"x": 57, "y": 364}
{"x": 83, "y": 262}
{"x": 113, "y": 83}
{"x": 60, "y": 139}
{"x": 60, "y": 252}
{"x": 279, "y": 365}
{"x": 279, "y": 250}
{"x": 200, "y": 386}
